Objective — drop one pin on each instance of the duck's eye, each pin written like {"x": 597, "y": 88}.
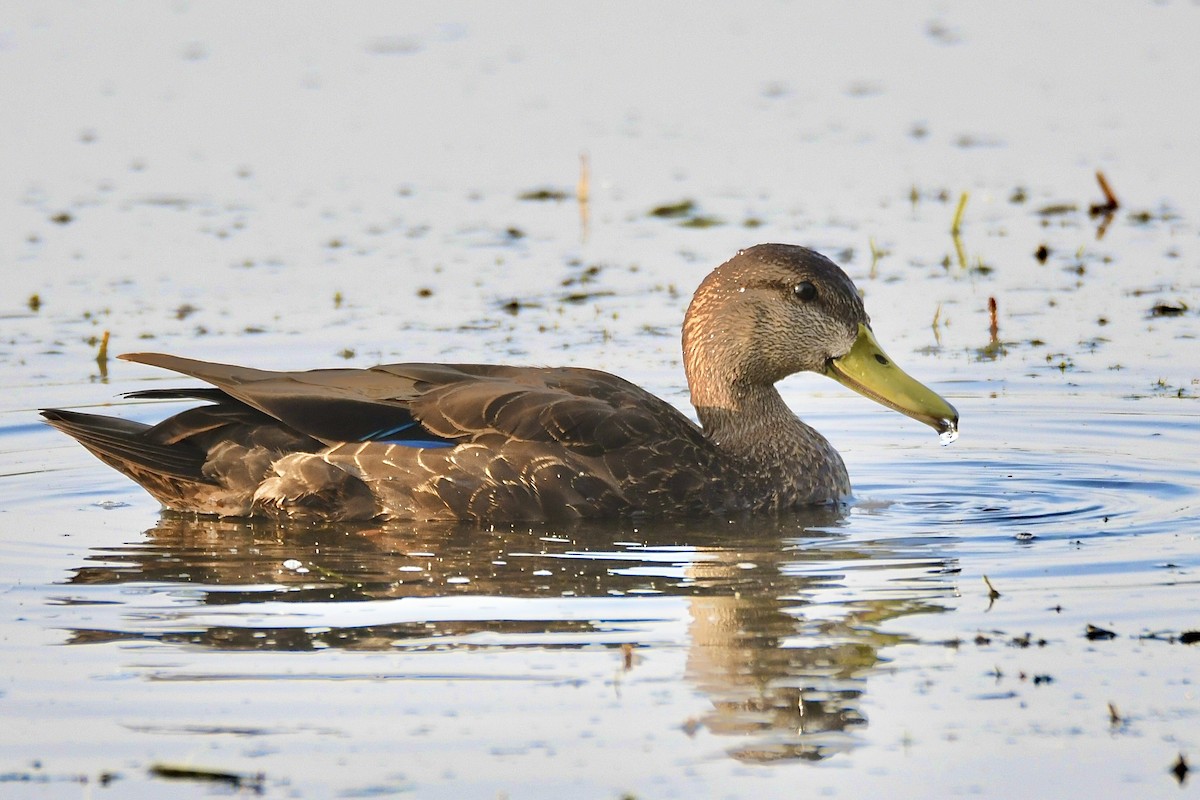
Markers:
{"x": 804, "y": 291}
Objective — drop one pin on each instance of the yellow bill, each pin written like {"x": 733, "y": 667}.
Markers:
{"x": 867, "y": 370}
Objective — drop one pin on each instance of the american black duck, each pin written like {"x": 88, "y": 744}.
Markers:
{"x": 504, "y": 443}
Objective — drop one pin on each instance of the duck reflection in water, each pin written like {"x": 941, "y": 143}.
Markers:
{"x": 785, "y": 682}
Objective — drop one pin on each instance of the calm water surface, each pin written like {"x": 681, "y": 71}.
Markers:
{"x": 356, "y": 197}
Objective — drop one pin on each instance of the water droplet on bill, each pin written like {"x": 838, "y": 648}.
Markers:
{"x": 949, "y": 432}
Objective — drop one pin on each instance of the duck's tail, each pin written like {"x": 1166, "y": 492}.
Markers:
{"x": 172, "y": 473}
{"x": 124, "y": 445}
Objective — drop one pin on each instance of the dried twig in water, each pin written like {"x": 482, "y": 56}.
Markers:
{"x": 994, "y": 326}
{"x": 992, "y": 593}
{"x": 1110, "y": 203}
{"x": 583, "y": 188}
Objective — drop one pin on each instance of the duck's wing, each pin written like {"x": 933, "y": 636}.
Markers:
{"x": 589, "y": 411}
{"x": 415, "y": 441}
{"x": 475, "y": 441}
{"x": 331, "y": 405}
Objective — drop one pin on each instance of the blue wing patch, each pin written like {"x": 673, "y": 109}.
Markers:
{"x": 408, "y": 434}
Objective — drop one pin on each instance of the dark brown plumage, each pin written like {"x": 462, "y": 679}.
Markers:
{"x": 442, "y": 441}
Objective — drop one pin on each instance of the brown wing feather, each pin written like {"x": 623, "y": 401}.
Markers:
{"x": 583, "y": 408}
{"x": 536, "y": 443}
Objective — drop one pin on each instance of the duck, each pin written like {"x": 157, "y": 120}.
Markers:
{"x": 492, "y": 443}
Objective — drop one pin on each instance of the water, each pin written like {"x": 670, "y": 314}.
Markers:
{"x": 356, "y": 197}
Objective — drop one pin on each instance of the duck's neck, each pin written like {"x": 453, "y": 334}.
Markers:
{"x": 786, "y": 462}
{"x": 756, "y": 426}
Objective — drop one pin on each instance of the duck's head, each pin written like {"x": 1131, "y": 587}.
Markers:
{"x": 775, "y": 309}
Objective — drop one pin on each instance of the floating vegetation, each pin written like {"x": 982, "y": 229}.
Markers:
{"x": 1057, "y": 209}
{"x": 583, "y": 297}
{"x": 516, "y": 306}
{"x": 62, "y": 218}
{"x": 1168, "y": 309}
{"x": 1042, "y": 253}
{"x": 543, "y": 195}
{"x": 1095, "y": 633}
{"x": 1026, "y": 641}
{"x": 674, "y": 210}
{"x": 687, "y": 213}
{"x": 1164, "y": 388}
{"x": 970, "y": 140}
{"x": 588, "y": 275}
{"x": 238, "y": 781}
{"x": 701, "y": 221}
{"x": 1060, "y": 361}
{"x": 34, "y": 302}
